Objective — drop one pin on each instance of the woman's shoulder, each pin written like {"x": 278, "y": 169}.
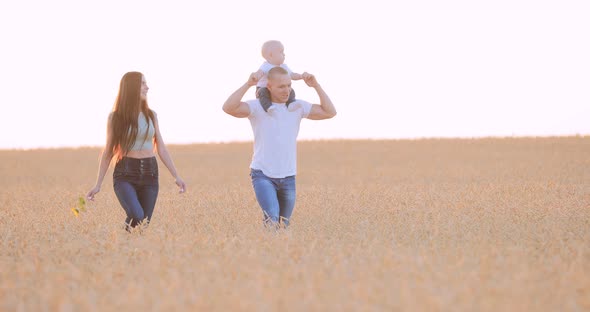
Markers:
{"x": 154, "y": 116}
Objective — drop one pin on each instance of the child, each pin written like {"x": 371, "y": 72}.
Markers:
{"x": 274, "y": 54}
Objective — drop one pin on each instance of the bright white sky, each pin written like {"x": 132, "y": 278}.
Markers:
{"x": 394, "y": 69}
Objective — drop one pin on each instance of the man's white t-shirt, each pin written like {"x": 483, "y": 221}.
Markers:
{"x": 265, "y": 67}
{"x": 275, "y": 137}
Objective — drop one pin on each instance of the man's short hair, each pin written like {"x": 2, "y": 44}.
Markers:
{"x": 275, "y": 71}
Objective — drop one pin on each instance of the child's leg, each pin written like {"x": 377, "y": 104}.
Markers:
{"x": 264, "y": 97}
{"x": 291, "y": 97}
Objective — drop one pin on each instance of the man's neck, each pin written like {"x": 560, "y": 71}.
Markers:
{"x": 274, "y": 101}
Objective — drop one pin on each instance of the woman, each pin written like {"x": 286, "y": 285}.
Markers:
{"x": 132, "y": 134}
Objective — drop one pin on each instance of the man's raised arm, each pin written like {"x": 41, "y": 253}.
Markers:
{"x": 325, "y": 109}
{"x": 234, "y": 105}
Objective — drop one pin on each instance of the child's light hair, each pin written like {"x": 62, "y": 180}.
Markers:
{"x": 269, "y": 46}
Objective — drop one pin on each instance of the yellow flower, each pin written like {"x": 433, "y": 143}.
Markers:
{"x": 75, "y": 211}
{"x": 81, "y": 204}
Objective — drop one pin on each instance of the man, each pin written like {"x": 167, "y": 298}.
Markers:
{"x": 274, "y": 162}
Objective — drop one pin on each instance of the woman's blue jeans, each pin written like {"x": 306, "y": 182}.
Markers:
{"x": 276, "y": 197}
{"x": 135, "y": 181}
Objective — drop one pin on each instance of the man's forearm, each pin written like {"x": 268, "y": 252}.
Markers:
{"x": 325, "y": 101}
{"x": 233, "y": 102}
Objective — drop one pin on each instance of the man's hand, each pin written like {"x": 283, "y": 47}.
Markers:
{"x": 310, "y": 80}
{"x": 253, "y": 79}
{"x": 259, "y": 74}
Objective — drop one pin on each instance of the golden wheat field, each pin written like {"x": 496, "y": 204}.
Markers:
{"x": 495, "y": 224}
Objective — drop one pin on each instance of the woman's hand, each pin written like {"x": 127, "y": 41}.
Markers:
{"x": 181, "y": 185}
{"x": 92, "y": 192}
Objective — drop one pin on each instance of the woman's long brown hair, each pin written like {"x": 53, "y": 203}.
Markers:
{"x": 124, "y": 125}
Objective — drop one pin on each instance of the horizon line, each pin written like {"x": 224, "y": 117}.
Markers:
{"x": 417, "y": 138}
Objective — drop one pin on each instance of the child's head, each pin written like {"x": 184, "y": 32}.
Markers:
{"x": 273, "y": 52}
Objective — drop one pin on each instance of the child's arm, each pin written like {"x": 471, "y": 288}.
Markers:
{"x": 296, "y": 76}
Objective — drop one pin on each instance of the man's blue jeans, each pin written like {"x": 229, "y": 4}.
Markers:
{"x": 276, "y": 197}
{"x": 136, "y": 184}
